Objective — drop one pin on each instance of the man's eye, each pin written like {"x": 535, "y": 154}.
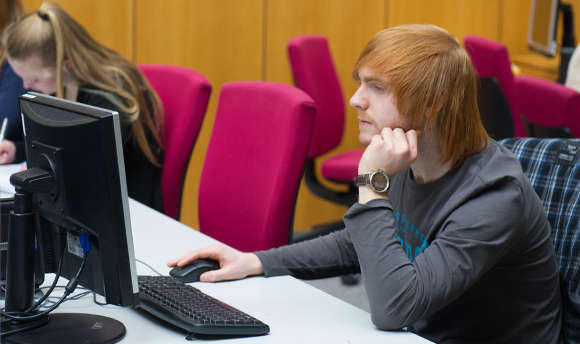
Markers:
{"x": 377, "y": 87}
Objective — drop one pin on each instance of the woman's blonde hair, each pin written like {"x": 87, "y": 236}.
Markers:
{"x": 433, "y": 82}
{"x": 55, "y": 37}
{"x": 10, "y": 11}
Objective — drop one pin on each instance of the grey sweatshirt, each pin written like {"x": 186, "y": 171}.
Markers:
{"x": 467, "y": 258}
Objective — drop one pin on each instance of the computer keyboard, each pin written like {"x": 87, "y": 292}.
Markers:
{"x": 187, "y": 307}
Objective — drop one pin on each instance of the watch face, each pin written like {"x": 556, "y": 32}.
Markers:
{"x": 379, "y": 181}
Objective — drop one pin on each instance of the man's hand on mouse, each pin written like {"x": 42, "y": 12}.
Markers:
{"x": 233, "y": 263}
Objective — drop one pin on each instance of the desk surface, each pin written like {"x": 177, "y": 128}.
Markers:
{"x": 295, "y": 311}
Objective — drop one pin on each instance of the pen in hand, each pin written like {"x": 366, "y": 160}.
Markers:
{"x": 3, "y": 129}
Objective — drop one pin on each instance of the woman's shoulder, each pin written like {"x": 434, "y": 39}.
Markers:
{"x": 94, "y": 96}
{"x": 10, "y": 79}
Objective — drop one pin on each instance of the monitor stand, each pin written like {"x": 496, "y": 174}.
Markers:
{"x": 72, "y": 328}
{"x": 54, "y": 327}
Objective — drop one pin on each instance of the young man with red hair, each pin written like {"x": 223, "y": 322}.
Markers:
{"x": 448, "y": 234}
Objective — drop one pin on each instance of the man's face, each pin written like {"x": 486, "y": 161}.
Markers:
{"x": 376, "y": 107}
{"x": 35, "y": 75}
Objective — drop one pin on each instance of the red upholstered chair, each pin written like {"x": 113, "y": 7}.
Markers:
{"x": 314, "y": 73}
{"x": 491, "y": 59}
{"x": 254, "y": 164}
{"x": 550, "y": 109}
{"x": 184, "y": 94}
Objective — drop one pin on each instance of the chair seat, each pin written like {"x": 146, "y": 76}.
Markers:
{"x": 342, "y": 167}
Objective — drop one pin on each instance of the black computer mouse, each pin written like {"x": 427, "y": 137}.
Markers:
{"x": 192, "y": 271}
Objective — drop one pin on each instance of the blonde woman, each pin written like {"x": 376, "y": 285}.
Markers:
{"x": 10, "y": 83}
{"x": 54, "y": 54}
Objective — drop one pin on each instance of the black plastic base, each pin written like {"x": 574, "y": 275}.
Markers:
{"x": 72, "y": 328}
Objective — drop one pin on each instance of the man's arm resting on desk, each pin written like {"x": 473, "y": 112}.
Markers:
{"x": 326, "y": 256}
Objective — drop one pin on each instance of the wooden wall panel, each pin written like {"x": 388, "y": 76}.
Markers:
{"x": 220, "y": 39}
{"x": 515, "y": 25}
{"x": 515, "y": 31}
{"x": 110, "y": 22}
{"x": 348, "y": 25}
{"x": 233, "y": 40}
{"x": 516, "y": 20}
{"x": 459, "y": 17}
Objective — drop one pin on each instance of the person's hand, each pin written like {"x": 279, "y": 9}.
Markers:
{"x": 7, "y": 152}
{"x": 392, "y": 151}
{"x": 233, "y": 263}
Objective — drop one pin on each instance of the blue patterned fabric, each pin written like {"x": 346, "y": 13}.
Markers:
{"x": 553, "y": 167}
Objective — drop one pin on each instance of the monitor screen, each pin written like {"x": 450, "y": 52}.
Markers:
{"x": 542, "y": 27}
{"x": 81, "y": 147}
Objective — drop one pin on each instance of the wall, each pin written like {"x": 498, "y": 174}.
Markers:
{"x": 232, "y": 40}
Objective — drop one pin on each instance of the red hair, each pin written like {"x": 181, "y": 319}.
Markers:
{"x": 433, "y": 82}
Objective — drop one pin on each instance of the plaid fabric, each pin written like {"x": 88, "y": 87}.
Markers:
{"x": 553, "y": 167}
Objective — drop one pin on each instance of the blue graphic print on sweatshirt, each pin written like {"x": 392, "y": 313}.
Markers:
{"x": 412, "y": 240}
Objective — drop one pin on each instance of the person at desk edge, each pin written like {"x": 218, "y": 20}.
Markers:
{"x": 10, "y": 83}
{"x": 54, "y": 54}
{"x": 457, "y": 248}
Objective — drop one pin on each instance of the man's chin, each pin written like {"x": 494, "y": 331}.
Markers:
{"x": 364, "y": 139}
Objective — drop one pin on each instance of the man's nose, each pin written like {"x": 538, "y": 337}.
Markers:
{"x": 358, "y": 101}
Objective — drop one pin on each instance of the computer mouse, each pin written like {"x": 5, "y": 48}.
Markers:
{"x": 191, "y": 272}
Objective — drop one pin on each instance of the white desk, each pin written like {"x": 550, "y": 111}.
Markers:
{"x": 295, "y": 311}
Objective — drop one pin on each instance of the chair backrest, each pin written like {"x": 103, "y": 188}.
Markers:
{"x": 314, "y": 73}
{"x": 553, "y": 167}
{"x": 184, "y": 94}
{"x": 491, "y": 59}
{"x": 545, "y": 103}
{"x": 494, "y": 109}
{"x": 254, "y": 164}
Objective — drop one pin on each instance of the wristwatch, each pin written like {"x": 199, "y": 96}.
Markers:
{"x": 378, "y": 181}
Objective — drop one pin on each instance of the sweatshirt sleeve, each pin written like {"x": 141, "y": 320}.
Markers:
{"x": 468, "y": 243}
{"x": 325, "y": 256}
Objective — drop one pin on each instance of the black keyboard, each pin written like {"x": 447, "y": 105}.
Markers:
{"x": 189, "y": 308}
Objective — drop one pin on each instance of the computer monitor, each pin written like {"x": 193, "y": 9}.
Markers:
{"x": 543, "y": 25}
{"x": 542, "y": 32}
{"x": 77, "y": 191}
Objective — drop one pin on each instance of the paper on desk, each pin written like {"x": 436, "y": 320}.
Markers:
{"x": 6, "y": 189}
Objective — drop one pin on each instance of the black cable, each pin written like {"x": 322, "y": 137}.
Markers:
{"x": 49, "y": 302}
{"x": 98, "y": 302}
{"x": 20, "y": 329}
{"x": 70, "y": 287}
{"x": 54, "y": 282}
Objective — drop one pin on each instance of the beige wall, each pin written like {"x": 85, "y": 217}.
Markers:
{"x": 233, "y": 40}
{"x": 110, "y": 22}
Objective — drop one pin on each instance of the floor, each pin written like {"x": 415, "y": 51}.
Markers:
{"x": 353, "y": 294}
